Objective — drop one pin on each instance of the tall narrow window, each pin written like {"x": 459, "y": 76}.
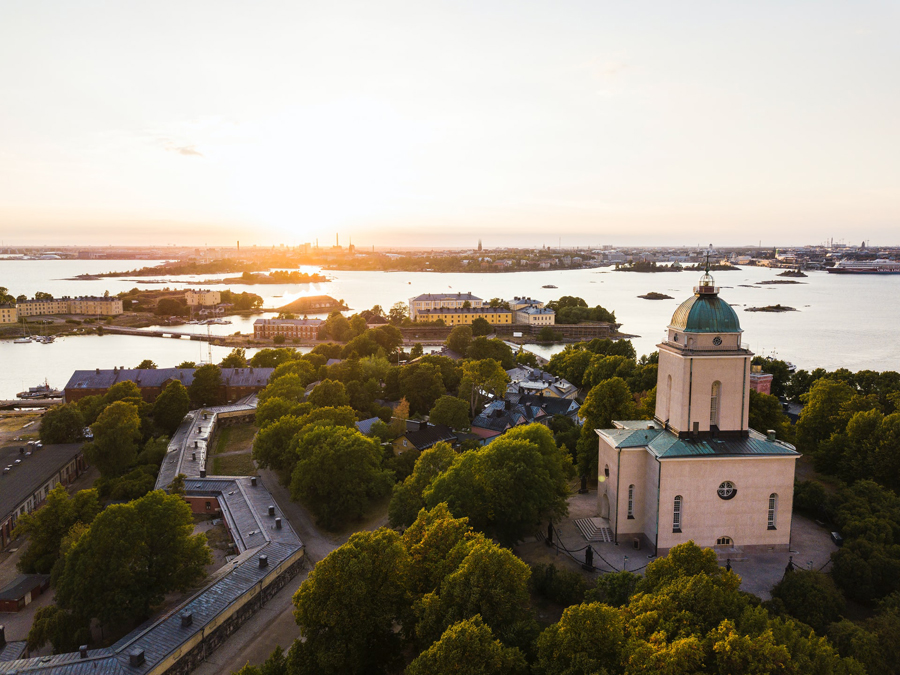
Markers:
{"x": 668, "y": 398}
{"x": 773, "y": 508}
{"x": 676, "y": 514}
{"x": 714, "y": 405}
{"x": 631, "y": 501}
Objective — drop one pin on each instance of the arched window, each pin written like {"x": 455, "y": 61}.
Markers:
{"x": 724, "y": 541}
{"x": 714, "y": 404}
{"x": 631, "y": 501}
{"x": 676, "y": 514}
{"x": 773, "y": 509}
{"x": 668, "y": 398}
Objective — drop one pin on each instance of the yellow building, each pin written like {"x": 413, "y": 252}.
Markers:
{"x": 202, "y": 298}
{"x": 91, "y": 306}
{"x": 8, "y": 314}
{"x": 465, "y": 317}
{"x": 420, "y": 303}
{"x": 41, "y": 307}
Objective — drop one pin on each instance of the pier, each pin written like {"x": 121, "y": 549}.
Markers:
{"x": 15, "y": 403}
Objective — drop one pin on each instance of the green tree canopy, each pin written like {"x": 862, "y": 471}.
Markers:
{"x": 46, "y": 527}
{"x": 589, "y": 638}
{"x": 116, "y": 435}
{"x": 468, "y": 647}
{"x": 407, "y": 499}
{"x": 272, "y": 358}
{"x": 62, "y": 424}
{"x": 370, "y": 575}
{"x": 459, "y": 339}
{"x": 451, "y": 411}
{"x": 482, "y": 378}
{"x": 147, "y": 364}
{"x": 524, "y": 462}
{"x": 329, "y": 393}
{"x": 492, "y": 348}
{"x": 421, "y": 384}
{"x": 206, "y": 389}
{"x": 299, "y": 367}
{"x": 130, "y": 557}
{"x": 481, "y": 326}
{"x": 338, "y": 474}
{"x": 237, "y": 358}
{"x": 810, "y": 597}
{"x": 289, "y": 386}
{"x": 171, "y": 406}
{"x": 608, "y": 401}
{"x": 276, "y": 407}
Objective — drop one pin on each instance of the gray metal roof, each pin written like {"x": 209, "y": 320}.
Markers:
{"x": 664, "y": 444}
{"x": 100, "y": 378}
{"x": 25, "y": 478}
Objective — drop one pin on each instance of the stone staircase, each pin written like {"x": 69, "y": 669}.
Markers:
{"x": 595, "y": 530}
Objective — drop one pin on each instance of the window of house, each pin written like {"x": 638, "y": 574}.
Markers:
{"x": 631, "y": 501}
{"x": 724, "y": 541}
{"x": 714, "y": 404}
{"x": 676, "y": 514}
{"x": 726, "y": 490}
{"x": 773, "y": 507}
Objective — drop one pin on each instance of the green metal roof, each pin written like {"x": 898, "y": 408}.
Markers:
{"x": 706, "y": 313}
{"x": 665, "y": 444}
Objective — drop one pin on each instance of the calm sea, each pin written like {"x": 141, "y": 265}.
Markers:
{"x": 842, "y": 321}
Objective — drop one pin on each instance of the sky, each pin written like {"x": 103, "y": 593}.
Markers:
{"x": 433, "y": 123}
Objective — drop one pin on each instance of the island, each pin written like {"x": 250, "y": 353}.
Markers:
{"x": 274, "y": 277}
{"x": 773, "y": 282}
{"x": 313, "y": 304}
{"x": 771, "y": 308}
{"x": 792, "y": 273}
{"x": 653, "y": 295}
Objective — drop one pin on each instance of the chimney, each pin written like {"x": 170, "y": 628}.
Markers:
{"x": 202, "y": 473}
{"x": 263, "y": 561}
{"x": 97, "y": 370}
{"x": 136, "y": 658}
{"x": 2, "y": 635}
{"x": 82, "y": 651}
{"x": 253, "y": 481}
{"x": 278, "y": 523}
{"x": 271, "y": 510}
{"x": 770, "y": 435}
{"x": 187, "y": 618}
{"x": 696, "y": 429}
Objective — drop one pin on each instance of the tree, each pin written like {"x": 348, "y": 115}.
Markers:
{"x": 206, "y": 388}
{"x": 65, "y": 630}
{"x": 481, "y": 326}
{"x": 187, "y": 364}
{"x": 5, "y": 297}
{"x": 484, "y": 348}
{"x": 237, "y": 358}
{"x": 171, "y": 406}
{"x": 62, "y": 424}
{"x": 766, "y": 413}
{"x": 147, "y": 364}
{"x": 279, "y": 339}
{"x": 130, "y": 557}
{"x": 276, "y": 407}
{"x": 490, "y": 581}
{"x": 524, "y": 462}
{"x": 407, "y": 499}
{"x": 480, "y": 379}
{"x": 46, "y": 527}
{"x": 824, "y": 413}
{"x": 289, "y": 387}
{"x": 299, "y": 367}
{"x": 416, "y": 351}
{"x": 398, "y": 312}
{"x": 171, "y": 307}
{"x": 370, "y": 574}
{"x": 116, "y": 435}
{"x": 468, "y": 648}
{"x": 459, "y": 339}
{"x": 547, "y": 335}
{"x": 524, "y": 358}
{"x": 450, "y": 411}
{"x": 608, "y": 401}
{"x": 329, "y": 393}
{"x": 272, "y": 358}
{"x": 40, "y": 295}
{"x": 338, "y": 474}
{"x": 421, "y": 384}
{"x": 588, "y": 638}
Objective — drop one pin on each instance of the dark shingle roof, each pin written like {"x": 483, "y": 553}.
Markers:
{"x": 424, "y": 438}
{"x": 22, "y": 584}
{"x": 104, "y": 379}
{"x": 31, "y": 473}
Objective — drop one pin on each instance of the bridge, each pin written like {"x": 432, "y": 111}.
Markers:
{"x": 125, "y": 330}
{"x": 15, "y": 403}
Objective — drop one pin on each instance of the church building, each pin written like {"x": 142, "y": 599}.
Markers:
{"x": 697, "y": 471}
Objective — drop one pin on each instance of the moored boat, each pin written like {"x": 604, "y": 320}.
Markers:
{"x": 879, "y": 266}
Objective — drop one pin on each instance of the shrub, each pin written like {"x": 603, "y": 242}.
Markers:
{"x": 563, "y": 587}
{"x": 278, "y": 339}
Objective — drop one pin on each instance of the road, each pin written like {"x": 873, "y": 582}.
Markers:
{"x": 274, "y": 624}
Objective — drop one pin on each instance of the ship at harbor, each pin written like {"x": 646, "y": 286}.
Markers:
{"x": 40, "y": 391}
{"x": 880, "y": 266}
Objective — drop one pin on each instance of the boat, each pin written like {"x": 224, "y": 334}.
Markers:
{"x": 40, "y": 391}
{"x": 879, "y": 266}
{"x": 22, "y": 340}
{"x": 549, "y": 286}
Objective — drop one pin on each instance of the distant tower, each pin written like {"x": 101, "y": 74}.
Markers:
{"x": 337, "y": 241}
{"x": 479, "y": 244}
{"x": 239, "y": 246}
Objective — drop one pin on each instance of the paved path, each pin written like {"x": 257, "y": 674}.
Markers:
{"x": 274, "y": 624}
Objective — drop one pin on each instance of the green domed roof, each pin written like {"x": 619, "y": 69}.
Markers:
{"x": 706, "y": 313}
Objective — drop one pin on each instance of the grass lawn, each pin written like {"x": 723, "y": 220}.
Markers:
{"x": 234, "y": 439}
{"x": 234, "y": 465}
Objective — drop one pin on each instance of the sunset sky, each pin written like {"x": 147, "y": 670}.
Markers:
{"x": 438, "y": 123}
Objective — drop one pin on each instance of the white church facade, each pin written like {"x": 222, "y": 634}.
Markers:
{"x": 697, "y": 471}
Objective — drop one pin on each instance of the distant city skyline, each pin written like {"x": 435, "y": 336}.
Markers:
{"x": 438, "y": 124}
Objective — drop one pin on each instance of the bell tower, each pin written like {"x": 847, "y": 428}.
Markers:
{"x": 704, "y": 371}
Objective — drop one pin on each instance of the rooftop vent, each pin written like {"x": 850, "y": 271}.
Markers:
{"x": 136, "y": 658}
{"x": 263, "y": 561}
{"x": 278, "y": 523}
{"x": 770, "y": 435}
{"x": 253, "y": 481}
{"x": 271, "y": 510}
{"x": 82, "y": 651}
{"x": 187, "y": 618}
{"x": 202, "y": 473}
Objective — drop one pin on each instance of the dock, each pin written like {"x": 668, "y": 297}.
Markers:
{"x": 13, "y": 404}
